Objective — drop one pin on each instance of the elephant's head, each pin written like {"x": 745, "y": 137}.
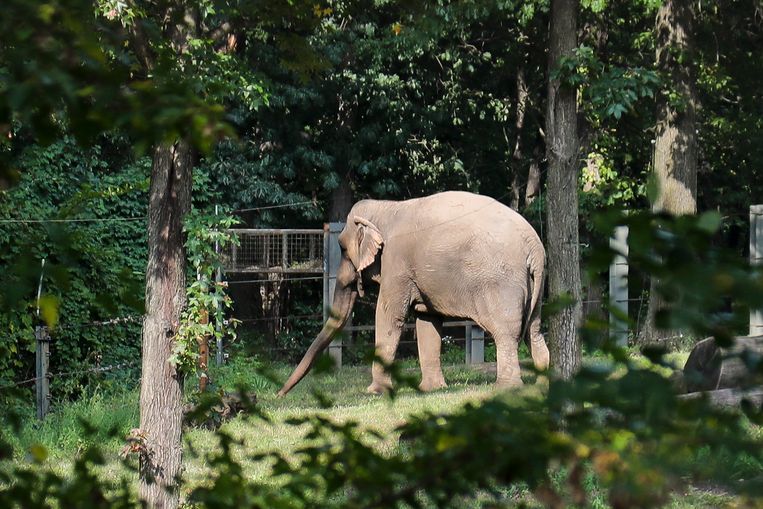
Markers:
{"x": 360, "y": 242}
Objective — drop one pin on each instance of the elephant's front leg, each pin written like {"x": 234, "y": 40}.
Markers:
{"x": 390, "y": 318}
{"x": 429, "y": 336}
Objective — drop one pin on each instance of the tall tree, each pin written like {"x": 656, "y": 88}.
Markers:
{"x": 161, "y": 388}
{"x": 562, "y": 193}
{"x": 675, "y": 145}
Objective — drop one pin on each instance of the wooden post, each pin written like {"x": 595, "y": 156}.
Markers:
{"x": 756, "y": 259}
{"x": 266, "y": 247}
{"x": 42, "y": 384}
{"x": 285, "y": 250}
{"x": 333, "y": 259}
{"x": 618, "y": 286}
{"x": 203, "y": 353}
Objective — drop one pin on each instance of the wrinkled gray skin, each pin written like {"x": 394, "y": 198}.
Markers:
{"x": 452, "y": 254}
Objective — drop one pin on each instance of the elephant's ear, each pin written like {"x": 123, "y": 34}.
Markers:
{"x": 370, "y": 241}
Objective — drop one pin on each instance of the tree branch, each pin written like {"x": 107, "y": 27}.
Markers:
{"x": 140, "y": 42}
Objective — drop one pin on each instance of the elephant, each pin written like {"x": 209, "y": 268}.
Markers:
{"x": 452, "y": 254}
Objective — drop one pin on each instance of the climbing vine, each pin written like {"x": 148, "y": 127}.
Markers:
{"x": 207, "y": 300}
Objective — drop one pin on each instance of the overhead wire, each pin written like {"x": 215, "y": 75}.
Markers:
{"x": 72, "y": 220}
{"x": 270, "y": 207}
{"x": 139, "y": 218}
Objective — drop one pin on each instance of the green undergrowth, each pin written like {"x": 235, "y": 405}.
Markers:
{"x": 107, "y": 415}
{"x": 115, "y": 412}
{"x": 112, "y": 415}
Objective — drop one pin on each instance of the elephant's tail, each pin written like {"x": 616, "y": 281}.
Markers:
{"x": 531, "y": 333}
{"x": 536, "y": 268}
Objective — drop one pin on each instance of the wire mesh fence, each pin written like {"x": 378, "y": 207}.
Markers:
{"x": 51, "y": 385}
{"x": 298, "y": 329}
{"x": 274, "y": 250}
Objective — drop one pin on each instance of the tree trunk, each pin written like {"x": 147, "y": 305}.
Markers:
{"x": 161, "y": 390}
{"x": 340, "y": 202}
{"x": 533, "y": 179}
{"x": 517, "y": 155}
{"x": 562, "y": 154}
{"x": 341, "y": 199}
{"x": 271, "y": 298}
{"x": 675, "y": 145}
{"x": 593, "y": 299}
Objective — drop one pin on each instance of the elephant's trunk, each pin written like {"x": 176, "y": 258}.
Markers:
{"x": 344, "y": 299}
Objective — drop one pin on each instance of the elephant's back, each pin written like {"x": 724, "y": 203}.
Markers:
{"x": 459, "y": 231}
{"x": 456, "y": 212}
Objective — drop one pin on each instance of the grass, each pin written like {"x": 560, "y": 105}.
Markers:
{"x": 110, "y": 415}
{"x": 61, "y": 434}
{"x": 347, "y": 388}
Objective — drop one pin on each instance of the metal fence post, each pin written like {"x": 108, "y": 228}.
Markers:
{"x": 478, "y": 345}
{"x": 219, "y": 357}
{"x": 333, "y": 259}
{"x": 285, "y": 250}
{"x": 475, "y": 344}
{"x": 326, "y": 274}
{"x": 618, "y": 286}
{"x": 219, "y": 354}
{"x": 42, "y": 382}
{"x": 756, "y": 259}
{"x": 203, "y": 362}
{"x": 468, "y": 342}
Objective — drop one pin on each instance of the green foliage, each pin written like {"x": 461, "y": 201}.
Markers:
{"x": 396, "y": 114}
{"x": 94, "y": 260}
{"x": 249, "y": 372}
{"x": 61, "y": 65}
{"x": 204, "y": 314}
{"x": 608, "y": 91}
{"x": 110, "y": 414}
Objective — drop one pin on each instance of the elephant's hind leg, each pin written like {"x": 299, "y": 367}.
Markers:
{"x": 502, "y": 317}
{"x": 507, "y": 360}
{"x": 429, "y": 337}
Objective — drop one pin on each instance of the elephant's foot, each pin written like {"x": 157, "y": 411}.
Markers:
{"x": 378, "y": 388}
{"x": 429, "y": 385}
{"x": 540, "y": 354}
